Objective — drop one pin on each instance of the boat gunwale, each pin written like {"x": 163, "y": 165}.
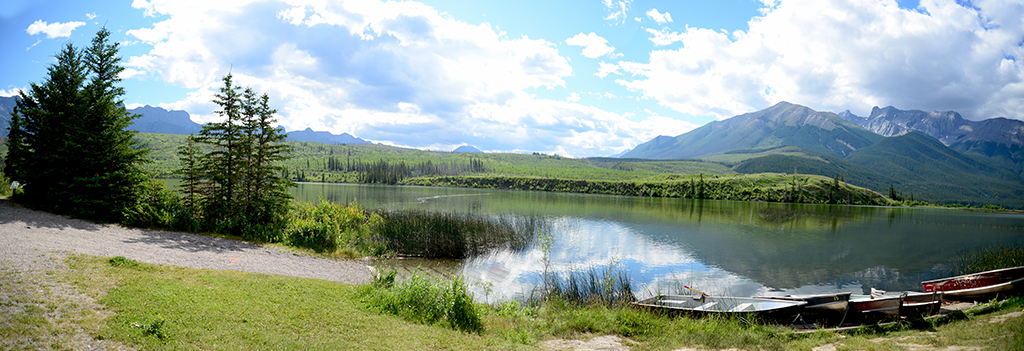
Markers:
{"x": 982, "y": 290}
{"x": 787, "y": 304}
{"x": 973, "y": 274}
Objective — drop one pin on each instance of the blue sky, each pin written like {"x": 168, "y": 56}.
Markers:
{"x": 576, "y": 78}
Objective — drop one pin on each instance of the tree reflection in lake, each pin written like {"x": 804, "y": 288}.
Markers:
{"x": 725, "y": 247}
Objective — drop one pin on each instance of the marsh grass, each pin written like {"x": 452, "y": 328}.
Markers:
{"x": 443, "y": 234}
{"x": 608, "y": 286}
{"x": 987, "y": 258}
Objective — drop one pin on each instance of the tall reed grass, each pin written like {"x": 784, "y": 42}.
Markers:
{"x": 987, "y": 258}
{"x": 443, "y": 234}
{"x": 587, "y": 287}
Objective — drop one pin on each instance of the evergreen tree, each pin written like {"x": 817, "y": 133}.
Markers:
{"x": 222, "y": 164}
{"x": 69, "y": 145}
{"x": 192, "y": 177}
{"x": 239, "y": 186}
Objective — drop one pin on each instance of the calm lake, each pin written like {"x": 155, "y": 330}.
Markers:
{"x": 719, "y": 247}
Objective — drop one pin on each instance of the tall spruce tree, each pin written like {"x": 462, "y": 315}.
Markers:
{"x": 222, "y": 164}
{"x": 240, "y": 180}
{"x": 70, "y": 147}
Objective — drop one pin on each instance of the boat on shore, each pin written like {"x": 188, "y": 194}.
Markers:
{"x": 978, "y": 286}
{"x": 876, "y": 306}
{"x": 921, "y": 303}
{"x": 818, "y": 303}
{"x": 772, "y": 309}
{"x": 820, "y": 308}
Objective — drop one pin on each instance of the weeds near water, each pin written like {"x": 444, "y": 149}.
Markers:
{"x": 986, "y": 259}
{"x": 424, "y": 300}
{"x": 586, "y": 287}
{"x": 442, "y": 234}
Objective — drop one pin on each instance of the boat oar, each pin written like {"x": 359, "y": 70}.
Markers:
{"x": 697, "y": 291}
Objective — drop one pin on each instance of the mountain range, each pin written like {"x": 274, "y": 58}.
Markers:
{"x": 936, "y": 156}
{"x": 999, "y": 139}
{"x": 159, "y": 120}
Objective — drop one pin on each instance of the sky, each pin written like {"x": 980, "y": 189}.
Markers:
{"x": 576, "y": 78}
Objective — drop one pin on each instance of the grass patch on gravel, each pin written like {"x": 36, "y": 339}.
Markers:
{"x": 166, "y": 307}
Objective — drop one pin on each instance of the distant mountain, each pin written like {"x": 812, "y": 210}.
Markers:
{"x": 938, "y": 173}
{"x": 467, "y": 150}
{"x": 159, "y": 120}
{"x": 914, "y": 163}
{"x": 999, "y": 139}
{"x": 6, "y": 106}
{"x": 819, "y": 164}
{"x": 779, "y": 125}
{"x": 324, "y": 137}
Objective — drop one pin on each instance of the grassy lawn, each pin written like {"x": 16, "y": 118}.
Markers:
{"x": 165, "y": 307}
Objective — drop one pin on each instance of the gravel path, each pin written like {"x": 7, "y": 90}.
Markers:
{"x": 27, "y": 236}
{"x": 33, "y": 243}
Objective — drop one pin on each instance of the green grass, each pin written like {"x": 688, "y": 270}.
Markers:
{"x": 164, "y": 307}
{"x": 986, "y": 259}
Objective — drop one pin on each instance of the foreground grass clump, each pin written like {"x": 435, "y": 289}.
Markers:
{"x": 988, "y": 258}
{"x": 423, "y": 300}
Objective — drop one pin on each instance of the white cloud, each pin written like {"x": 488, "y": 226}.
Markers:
{"x": 90, "y": 16}
{"x": 10, "y": 92}
{"x": 392, "y": 72}
{"x": 659, "y": 17}
{"x": 663, "y": 37}
{"x": 53, "y": 30}
{"x": 604, "y": 69}
{"x": 594, "y": 45}
{"x": 837, "y": 55}
{"x": 573, "y": 97}
{"x": 617, "y": 10}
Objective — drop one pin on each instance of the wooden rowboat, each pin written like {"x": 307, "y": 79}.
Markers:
{"x": 876, "y": 306}
{"x": 819, "y": 303}
{"x": 723, "y": 305}
{"x": 924, "y": 303}
{"x": 820, "y": 308}
{"x": 977, "y": 286}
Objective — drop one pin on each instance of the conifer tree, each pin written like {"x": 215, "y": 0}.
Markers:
{"x": 192, "y": 183}
{"x": 239, "y": 186}
{"x": 69, "y": 145}
{"x": 222, "y": 164}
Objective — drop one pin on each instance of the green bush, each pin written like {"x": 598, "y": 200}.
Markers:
{"x": 156, "y": 207}
{"x": 423, "y": 300}
{"x": 328, "y": 227}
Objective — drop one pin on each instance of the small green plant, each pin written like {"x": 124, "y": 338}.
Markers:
{"x": 156, "y": 328}
{"x": 121, "y": 261}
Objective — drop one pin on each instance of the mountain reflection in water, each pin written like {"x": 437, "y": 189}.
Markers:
{"x": 719, "y": 247}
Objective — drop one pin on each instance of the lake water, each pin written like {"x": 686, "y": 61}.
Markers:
{"x": 719, "y": 247}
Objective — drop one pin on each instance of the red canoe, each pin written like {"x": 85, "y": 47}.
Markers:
{"x": 978, "y": 285}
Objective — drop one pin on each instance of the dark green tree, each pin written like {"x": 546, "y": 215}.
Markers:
{"x": 70, "y": 147}
{"x": 239, "y": 185}
{"x": 222, "y": 164}
{"x": 192, "y": 184}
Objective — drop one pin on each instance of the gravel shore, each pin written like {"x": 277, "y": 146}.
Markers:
{"x": 33, "y": 245}
{"x": 28, "y": 236}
